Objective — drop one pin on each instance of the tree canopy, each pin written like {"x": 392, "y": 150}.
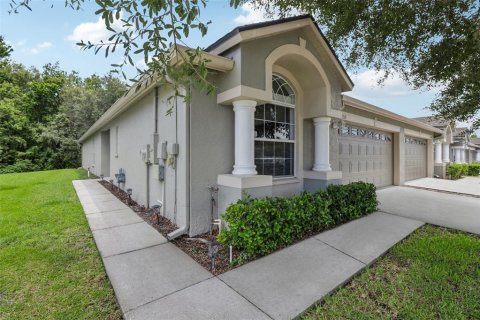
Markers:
{"x": 44, "y": 112}
{"x": 431, "y": 43}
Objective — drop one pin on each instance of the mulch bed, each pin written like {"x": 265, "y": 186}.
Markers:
{"x": 196, "y": 248}
{"x": 164, "y": 227}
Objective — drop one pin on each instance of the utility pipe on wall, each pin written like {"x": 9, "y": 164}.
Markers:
{"x": 186, "y": 228}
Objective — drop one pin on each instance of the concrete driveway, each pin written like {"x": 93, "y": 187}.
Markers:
{"x": 442, "y": 209}
{"x": 466, "y": 185}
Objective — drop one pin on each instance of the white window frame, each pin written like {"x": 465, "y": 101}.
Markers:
{"x": 295, "y": 124}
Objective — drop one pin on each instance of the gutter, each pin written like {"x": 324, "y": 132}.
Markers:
{"x": 359, "y": 104}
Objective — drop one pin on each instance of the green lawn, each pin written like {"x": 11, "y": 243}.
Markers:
{"x": 49, "y": 265}
{"x": 433, "y": 274}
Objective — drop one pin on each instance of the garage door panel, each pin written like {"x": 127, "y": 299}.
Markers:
{"x": 365, "y": 155}
{"x": 415, "y": 158}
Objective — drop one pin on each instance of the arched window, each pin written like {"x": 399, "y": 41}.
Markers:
{"x": 275, "y": 131}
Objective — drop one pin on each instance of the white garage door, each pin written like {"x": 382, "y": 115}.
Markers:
{"x": 415, "y": 158}
{"x": 365, "y": 155}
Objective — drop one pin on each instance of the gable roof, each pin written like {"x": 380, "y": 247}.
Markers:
{"x": 238, "y": 35}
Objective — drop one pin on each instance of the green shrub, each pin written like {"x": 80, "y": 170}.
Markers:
{"x": 456, "y": 171}
{"x": 19, "y": 166}
{"x": 473, "y": 169}
{"x": 260, "y": 226}
{"x": 352, "y": 201}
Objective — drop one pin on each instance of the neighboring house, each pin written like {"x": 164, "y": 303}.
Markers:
{"x": 454, "y": 146}
{"x": 279, "y": 124}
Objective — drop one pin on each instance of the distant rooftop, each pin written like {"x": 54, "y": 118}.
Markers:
{"x": 433, "y": 121}
{"x": 475, "y": 141}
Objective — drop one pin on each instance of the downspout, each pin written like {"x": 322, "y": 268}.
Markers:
{"x": 186, "y": 228}
{"x": 155, "y": 146}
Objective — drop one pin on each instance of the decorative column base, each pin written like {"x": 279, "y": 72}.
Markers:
{"x": 440, "y": 170}
{"x": 233, "y": 187}
{"x": 313, "y": 180}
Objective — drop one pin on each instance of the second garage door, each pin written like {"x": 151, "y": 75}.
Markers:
{"x": 415, "y": 158}
{"x": 365, "y": 155}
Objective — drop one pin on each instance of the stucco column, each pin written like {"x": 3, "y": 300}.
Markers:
{"x": 438, "y": 152}
{"x": 462, "y": 155}
{"x": 446, "y": 152}
{"x": 457, "y": 155}
{"x": 322, "y": 144}
{"x": 244, "y": 137}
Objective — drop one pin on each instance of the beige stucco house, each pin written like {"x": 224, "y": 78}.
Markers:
{"x": 453, "y": 146}
{"x": 278, "y": 124}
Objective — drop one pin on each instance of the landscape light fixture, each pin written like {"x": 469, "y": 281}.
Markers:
{"x": 213, "y": 247}
{"x": 156, "y": 208}
{"x": 129, "y": 191}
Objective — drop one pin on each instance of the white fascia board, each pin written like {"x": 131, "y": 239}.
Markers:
{"x": 213, "y": 61}
{"x": 253, "y": 34}
{"x": 272, "y": 30}
{"x": 355, "y": 103}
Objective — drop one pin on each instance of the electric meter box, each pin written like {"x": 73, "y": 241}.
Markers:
{"x": 162, "y": 150}
{"x": 161, "y": 172}
{"x": 173, "y": 149}
{"x": 145, "y": 153}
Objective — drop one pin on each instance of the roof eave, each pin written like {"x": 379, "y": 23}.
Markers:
{"x": 213, "y": 62}
{"x": 359, "y": 104}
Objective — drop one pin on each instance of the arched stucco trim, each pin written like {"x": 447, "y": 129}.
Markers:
{"x": 292, "y": 49}
{"x": 448, "y": 135}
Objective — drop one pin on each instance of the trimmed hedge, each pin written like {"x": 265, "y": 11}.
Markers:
{"x": 352, "y": 201}
{"x": 260, "y": 226}
{"x": 474, "y": 169}
{"x": 456, "y": 171}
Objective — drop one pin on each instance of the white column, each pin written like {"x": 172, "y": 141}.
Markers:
{"x": 462, "y": 155}
{"x": 244, "y": 137}
{"x": 322, "y": 144}
{"x": 438, "y": 152}
{"x": 478, "y": 155}
{"x": 446, "y": 152}
{"x": 458, "y": 155}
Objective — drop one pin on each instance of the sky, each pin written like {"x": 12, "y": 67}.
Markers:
{"x": 48, "y": 34}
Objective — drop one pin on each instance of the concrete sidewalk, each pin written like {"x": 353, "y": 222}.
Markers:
{"x": 153, "y": 279}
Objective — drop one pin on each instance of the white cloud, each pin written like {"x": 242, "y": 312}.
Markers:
{"x": 367, "y": 84}
{"x": 251, "y": 15}
{"x": 41, "y": 47}
{"x": 93, "y": 31}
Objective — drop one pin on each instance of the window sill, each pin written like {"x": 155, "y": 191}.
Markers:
{"x": 280, "y": 181}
